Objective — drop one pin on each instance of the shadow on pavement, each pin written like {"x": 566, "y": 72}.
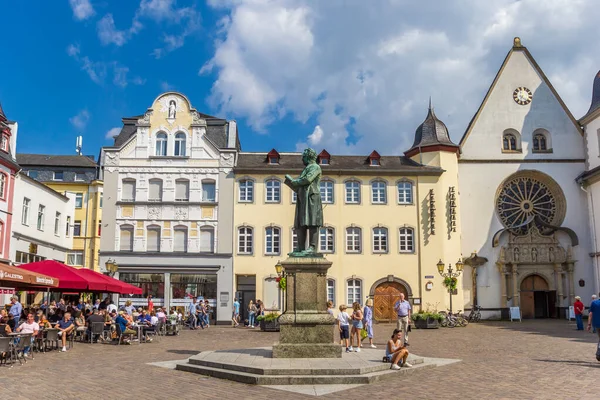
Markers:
{"x": 547, "y": 327}
{"x": 588, "y": 364}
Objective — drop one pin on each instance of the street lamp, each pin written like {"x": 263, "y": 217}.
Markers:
{"x": 279, "y": 268}
{"x": 450, "y": 273}
{"x": 111, "y": 266}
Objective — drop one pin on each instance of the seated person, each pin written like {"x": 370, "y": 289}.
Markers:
{"x": 65, "y": 327}
{"x": 95, "y": 317}
{"x": 396, "y": 352}
{"x": 29, "y": 326}
{"x": 4, "y": 327}
{"x": 125, "y": 326}
{"x": 160, "y": 314}
{"x": 154, "y": 318}
{"x": 43, "y": 322}
{"x": 144, "y": 318}
{"x": 79, "y": 322}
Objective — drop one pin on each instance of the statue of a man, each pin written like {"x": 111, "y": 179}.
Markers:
{"x": 309, "y": 210}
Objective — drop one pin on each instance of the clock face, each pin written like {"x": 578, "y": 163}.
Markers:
{"x": 522, "y": 95}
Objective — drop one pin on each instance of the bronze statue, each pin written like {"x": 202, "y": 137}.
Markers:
{"x": 309, "y": 210}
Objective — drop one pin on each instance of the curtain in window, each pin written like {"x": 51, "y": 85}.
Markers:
{"x": 128, "y": 192}
{"x": 208, "y": 191}
{"x": 155, "y": 189}
{"x": 182, "y": 189}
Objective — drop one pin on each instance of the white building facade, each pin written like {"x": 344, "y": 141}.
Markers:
{"x": 523, "y": 212}
{"x": 168, "y": 204}
{"x": 42, "y": 222}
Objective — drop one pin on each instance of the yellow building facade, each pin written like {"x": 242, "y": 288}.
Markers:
{"x": 388, "y": 221}
{"x": 77, "y": 175}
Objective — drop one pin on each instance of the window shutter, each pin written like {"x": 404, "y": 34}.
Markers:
{"x": 206, "y": 240}
{"x": 155, "y": 189}
{"x": 180, "y": 240}
{"x": 126, "y": 239}
{"x": 153, "y": 240}
{"x": 181, "y": 190}
{"x": 128, "y": 190}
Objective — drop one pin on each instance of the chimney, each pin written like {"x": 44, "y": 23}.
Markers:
{"x": 232, "y": 135}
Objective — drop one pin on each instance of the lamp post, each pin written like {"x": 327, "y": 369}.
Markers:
{"x": 450, "y": 273}
{"x": 111, "y": 267}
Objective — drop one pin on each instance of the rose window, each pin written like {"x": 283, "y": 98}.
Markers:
{"x": 527, "y": 195}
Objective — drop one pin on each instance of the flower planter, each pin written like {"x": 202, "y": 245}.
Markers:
{"x": 269, "y": 326}
{"x": 428, "y": 323}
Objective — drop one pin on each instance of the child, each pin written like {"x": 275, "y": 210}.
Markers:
{"x": 330, "y": 307}
{"x": 343, "y": 326}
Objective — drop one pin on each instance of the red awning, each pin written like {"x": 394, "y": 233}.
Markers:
{"x": 113, "y": 285}
{"x": 69, "y": 278}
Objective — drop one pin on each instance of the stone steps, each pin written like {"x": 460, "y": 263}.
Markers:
{"x": 247, "y": 367}
{"x": 309, "y": 379}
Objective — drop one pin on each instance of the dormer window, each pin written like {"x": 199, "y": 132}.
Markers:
{"x": 374, "y": 159}
{"x": 4, "y": 143}
{"x": 273, "y": 157}
{"x": 324, "y": 158}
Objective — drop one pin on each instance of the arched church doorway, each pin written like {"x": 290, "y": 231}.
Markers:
{"x": 537, "y": 300}
{"x": 385, "y": 296}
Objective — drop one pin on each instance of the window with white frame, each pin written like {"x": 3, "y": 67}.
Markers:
{"x": 380, "y": 240}
{"x": 155, "y": 190}
{"x": 354, "y": 287}
{"x": 207, "y": 239}
{"x": 272, "y": 191}
{"x": 326, "y": 191}
{"x": 406, "y": 240}
{"x": 182, "y": 190}
{"x": 161, "y": 144}
{"x": 245, "y": 240}
{"x": 209, "y": 190}
{"x": 57, "y": 224}
{"x": 80, "y": 176}
{"x": 25, "y": 212}
{"x": 246, "y": 191}
{"x": 128, "y": 190}
{"x": 75, "y": 258}
{"x": 78, "y": 200}
{"x": 294, "y": 240}
{"x": 40, "y": 219}
{"x": 180, "y": 144}
{"x": 58, "y": 175}
{"x": 378, "y": 192}
{"x": 405, "y": 192}
{"x": 153, "y": 238}
{"x": 352, "y": 192}
{"x": 327, "y": 240}
{"x": 68, "y": 227}
{"x": 353, "y": 240}
{"x": 126, "y": 238}
{"x": 77, "y": 228}
{"x": 331, "y": 290}
{"x": 180, "y": 239}
{"x": 272, "y": 240}
{"x": 2, "y": 185}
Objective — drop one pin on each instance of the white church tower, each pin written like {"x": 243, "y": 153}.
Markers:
{"x": 523, "y": 213}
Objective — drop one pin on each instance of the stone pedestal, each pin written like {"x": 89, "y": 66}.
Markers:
{"x": 306, "y": 328}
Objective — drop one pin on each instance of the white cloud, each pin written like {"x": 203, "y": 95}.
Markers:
{"x": 82, "y": 9}
{"x": 166, "y": 86}
{"x": 365, "y": 74}
{"x": 112, "y": 132}
{"x": 109, "y": 34}
{"x": 99, "y": 70}
{"x": 80, "y": 120}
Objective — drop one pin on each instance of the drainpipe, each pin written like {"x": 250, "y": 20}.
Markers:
{"x": 594, "y": 237}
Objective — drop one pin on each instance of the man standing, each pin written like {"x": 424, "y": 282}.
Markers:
{"x": 403, "y": 309}
{"x": 15, "y": 310}
{"x": 578, "y": 307}
{"x": 192, "y": 312}
{"x": 236, "y": 313}
{"x": 594, "y": 320}
{"x": 97, "y": 305}
{"x": 150, "y": 304}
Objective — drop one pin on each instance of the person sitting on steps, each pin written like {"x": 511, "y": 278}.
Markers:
{"x": 396, "y": 352}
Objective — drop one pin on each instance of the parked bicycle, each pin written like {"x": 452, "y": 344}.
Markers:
{"x": 451, "y": 320}
{"x": 475, "y": 315}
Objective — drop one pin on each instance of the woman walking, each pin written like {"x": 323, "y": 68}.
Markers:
{"x": 251, "y": 314}
{"x": 357, "y": 325}
{"x": 368, "y": 321}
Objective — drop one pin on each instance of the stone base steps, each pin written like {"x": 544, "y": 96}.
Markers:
{"x": 319, "y": 373}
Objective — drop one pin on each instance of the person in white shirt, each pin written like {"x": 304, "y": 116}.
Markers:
{"x": 111, "y": 307}
{"x": 29, "y": 326}
{"x": 344, "y": 326}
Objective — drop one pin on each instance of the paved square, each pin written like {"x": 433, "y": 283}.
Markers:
{"x": 529, "y": 360}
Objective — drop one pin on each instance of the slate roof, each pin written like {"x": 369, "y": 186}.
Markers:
{"x": 432, "y": 132}
{"x": 257, "y": 163}
{"x": 595, "y": 97}
{"x": 56, "y": 161}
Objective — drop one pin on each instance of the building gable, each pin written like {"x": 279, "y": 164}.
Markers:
{"x": 522, "y": 100}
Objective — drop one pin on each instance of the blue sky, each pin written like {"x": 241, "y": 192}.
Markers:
{"x": 348, "y": 76}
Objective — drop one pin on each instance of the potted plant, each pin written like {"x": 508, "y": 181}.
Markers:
{"x": 268, "y": 322}
{"x": 427, "y": 319}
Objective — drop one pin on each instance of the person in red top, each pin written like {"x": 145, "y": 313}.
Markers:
{"x": 150, "y": 304}
{"x": 578, "y": 306}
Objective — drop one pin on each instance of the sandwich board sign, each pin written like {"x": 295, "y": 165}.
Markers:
{"x": 515, "y": 313}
